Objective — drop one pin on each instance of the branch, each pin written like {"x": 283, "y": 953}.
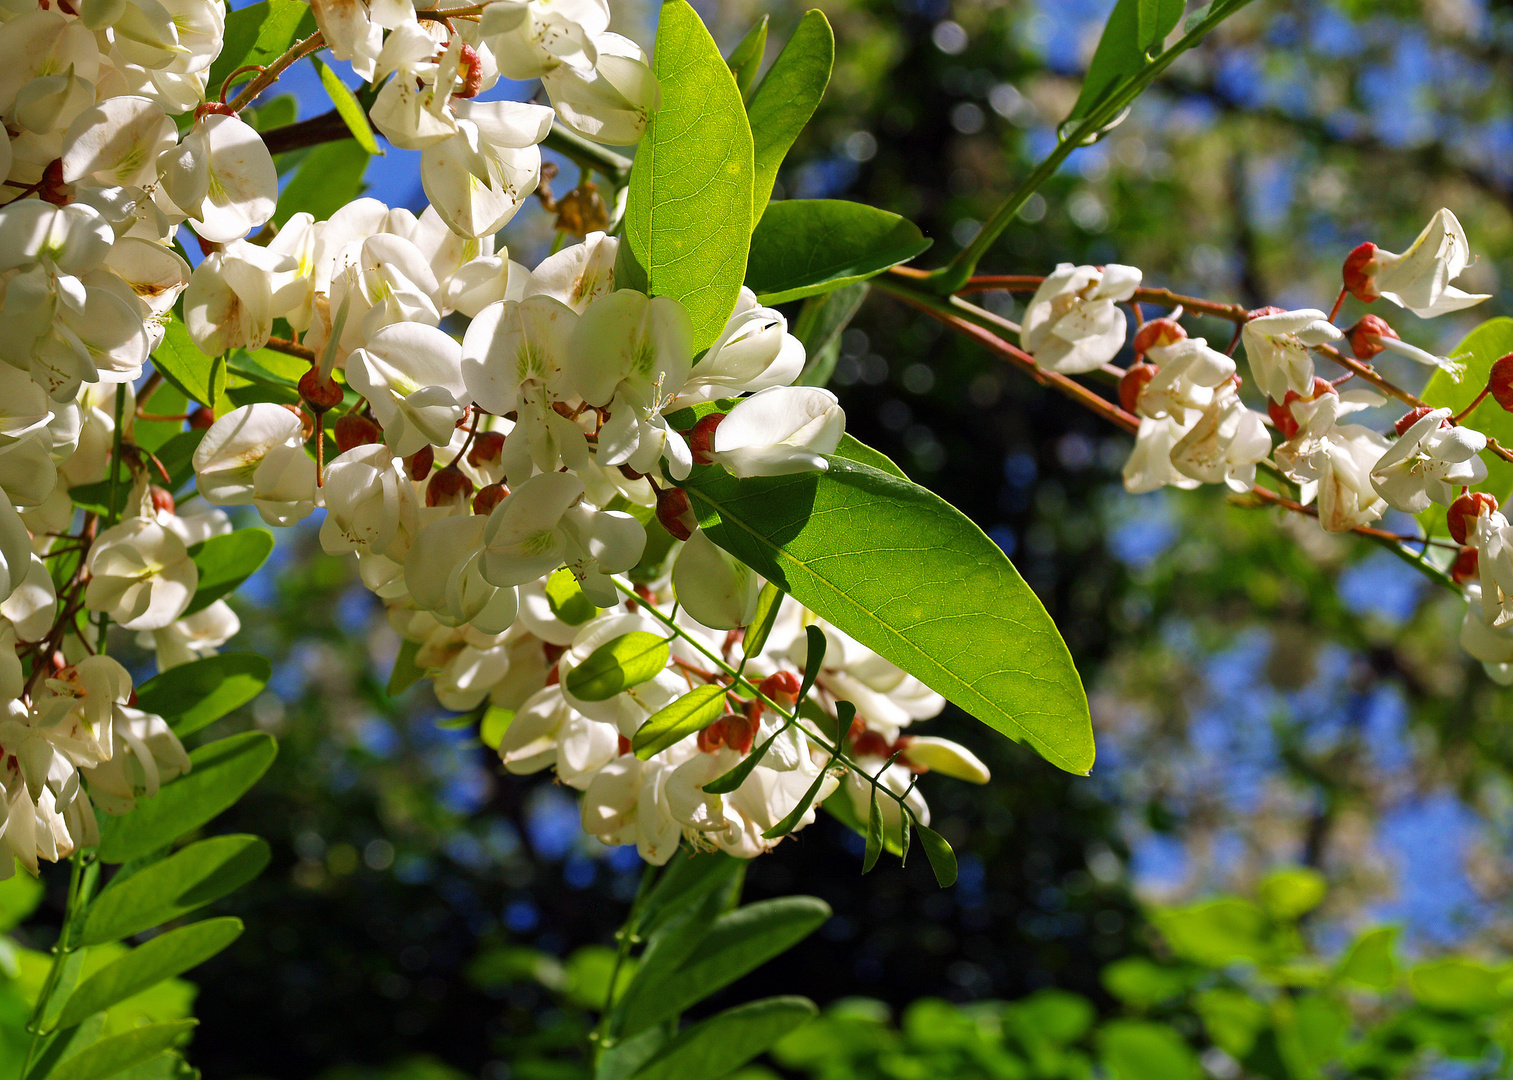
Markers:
{"x": 325, "y": 128}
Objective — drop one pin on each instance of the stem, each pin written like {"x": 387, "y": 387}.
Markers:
{"x": 269, "y": 75}
{"x": 587, "y": 155}
{"x": 1366, "y": 372}
{"x": 78, "y": 895}
{"x": 290, "y": 348}
{"x": 110, "y": 502}
{"x": 954, "y": 275}
{"x": 625, "y": 937}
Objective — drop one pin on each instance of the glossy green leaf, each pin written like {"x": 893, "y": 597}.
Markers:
{"x": 222, "y": 772}
{"x": 259, "y": 34}
{"x": 617, "y": 665}
{"x": 1136, "y": 1050}
{"x": 675, "y": 721}
{"x": 225, "y": 562}
{"x": 1370, "y": 960}
{"x": 1135, "y": 30}
{"x": 733, "y": 778}
{"x": 855, "y": 450}
{"x": 181, "y": 362}
{"x": 688, "y": 881}
{"x": 912, "y": 578}
{"x": 746, "y": 58}
{"x": 804, "y": 247}
{"x": 566, "y": 598}
{"x": 769, "y": 603}
{"x": 406, "y": 672}
{"x": 786, "y": 99}
{"x": 793, "y": 817}
{"x": 715, "y": 1047}
{"x": 328, "y": 178}
{"x": 189, "y": 878}
{"x": 942, "y": 858}
{"x": 192, "y": 695}
{"x": 112, "y": 1056}
{"x": 148, "y": 964}
{"x": 737, "y": 942}
{"x": 688, "y": 216}
{"x": 1479, "y": 350}
{"x": 347, "y": 107}
{"x": 814, "y": 658}
{"x": 874, "y": 835}
{"x": 1292, "y": 892}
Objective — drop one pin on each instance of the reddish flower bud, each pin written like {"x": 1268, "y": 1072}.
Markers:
{"x": 1500, "y": 382}
{"x": 869, "y": 743}
{"x": 781, "y": 687}
{"x": 711, "y": 738}
{"x": 675, "y": 513}
{"x": 701, "y": 438}
{"x": 217, "y": 108}
{"x": 321, "y": 396}
{"x": 1269, "y": 309}
{"x": 201, "y": 418}
{"x": 448, "y": 488}
{"x": 54, "y": 188}
{"x": 1158, "y": 333}
{"x": 734, "y": 730}
{"x": 1366, "y": 336}
{"x": 418, "y": 464}
{"x": 488, "y": 498}
{"x": 161, "y": 499}
{"x": 1466, "y": 566}
{"x": 1411, "y": 417}
{"x": 622, "y": 746}
{"x": 353, "y": 430}
{"x": 486, "y": 449}
{"x": 1360, "y": 273}
{"x": 1134, "y": 382}
{"x": 1465, "y": 510}
{"x": 1281, "y": 415}
{"x": 471, "y": 73}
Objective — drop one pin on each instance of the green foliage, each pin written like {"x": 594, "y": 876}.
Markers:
{"x": 188, "y": 879}
{"x": 566, "y": 599}
{"x": 786, "y": 99}
{"x": 854, "y": 450}
{"x": 147, "y": 965}
{"x": 181, "y": 363}
{"x": 225, "y": 562}
{"x": 1135, "y": 31}
{"x": 874, "y": 846}
{"x": 713, "y": 1048}
{"x": 746, "y": 58}
{"x": 674, "y": 722}
{"x": 329, "y": 177}
{"x": 942, "y": 858}
{"x": 200, "y": 692}
{"x": 222, "y": 772}
{"x": 115, "y": 1055}
{"x": 769, "y": 603}
{"x": 1478, "y": 350}
{"x": 806, "y": 247}
{"x": 688, "y": 218}
{"x": 820, "y": 323}
{"x": 258, "y": 34}
{"x": 19, "y": 896}
{"x": 406, "y": 672}
{"x": 1135, "y": 1050}
{"x": 348, "y": 108}
{"x": 909, "y": 576}
{"x": 1292, "y": 892}
{"x": 617, "y": 665}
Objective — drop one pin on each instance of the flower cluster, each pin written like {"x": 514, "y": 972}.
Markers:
{"x": 1195, "y": 428}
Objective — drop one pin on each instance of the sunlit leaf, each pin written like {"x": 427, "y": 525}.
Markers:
{"x": 804, "y": 247}
{"x": 192, "y": 695}
{"x": 675, "y": 721}
{"x": 190, "y": 878}
{"x": 118, "y": 1053}
{"x": 715, "y": 1047}
{"x": 225, "y": 562}
{"x": 787, "y": 98}
{"x": 161, "y": 958}
{"x": 617, "y": 665}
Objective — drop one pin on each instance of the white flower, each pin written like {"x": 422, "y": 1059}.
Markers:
{"x": 222, "y": 177}
{"x": 578, "y": 274}
{"x": 1189, "y": 375}
{"x": 945, "y": 757}
{"x": 411, "y": 109}
{"x": 531, "y": 37}
{"x": 1277, "y": 347}
{"x": 15, "y": 549}
{"x": 1492, "y": 537}
{"x": 625, "y": 804}
{"x": 610, "y": 102}
{"x": 443, "y": 577}
{"x": 1072, "y": 323}
{"x": 77, "y": 708}
{"x": 368, "y": 500}
{"x": 755, "y": 351}
{"x": 1224, "y": 446}
{"x": 256, "y": 454}
{"x": 146, "y": 755}
{"x": 478, "y": 178}
{"x": 1418, "y": 279}
{"x": 411, "y": 375}
{"x": 192, "y": 637}
{"x": 117, "y": 143}
{"x": 229, "y": 303}
{"x": 1428, "y": 463}
{"x": 1492, "y": 645}
{"x": 140, "y": 574}
{"x": 780, "y": 430}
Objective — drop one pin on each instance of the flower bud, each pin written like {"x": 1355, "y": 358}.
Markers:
{"x": 1157, "y": 333}
{"x": 1411, "y": 417}
{"x": 202, "y": 419}
{"x": 470, "y": 72}
{"x": 868, "y": 743}
{"x": 353, "y": 430}
{"x": 925, "y": 752}
{"x": 1261, "y": 312}
{"x": 448, "y": 488}
{"x": 582, "y": 211}
{"x": 1134, "y": 382}
{"x": 486, "y": 449}
{"x": 1281, "y": 415}
{"x": 489, "y": 497}
{"x": 1466, "y": 567}
{"x": 1465, "y": 510}
{"x": 675, "y": 513}
{"x": 162, "y": 500}
{"x": 1366, "y": 336}
{"x": 782, "y": 688}
{"x": 701, "y": 438}
{"x": 418, "y": 464}
{"x": 320, "y": 395}
{"x": 1500, "y": 382}
{"x": 1360, "y": 273}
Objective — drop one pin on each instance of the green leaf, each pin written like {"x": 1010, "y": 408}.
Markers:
{"x": 19, "y": 896}
{"x": 746, "y": 58}
{"x": 494, "y": 724}
{"x": 227, "y": 561}
{"x": 1456, "y": 984}
{"x": 329, "y": 178}
{"x": 222, "y": 772}
{"x": 1479, "y": 350}
{"x": 190, "y": 878}
{"x": 1292, "y": 892}
{"x": 148, "y": 964}
{"x": 688, "y": 215}
{"x": 874, "y": 834}
{"x": 942, "y": 858}
{"x": 728, "y": 781}
{"x": 715, "y": 1047}
{"x": 804, "y": 247}
{"x": 347, "y": 107}
{"x": 787, "y": 98}
{"x": 260, "y": 34}
{"x": 617, "y": 665}
{"x": 737, "y": 942}
{"x": 912, "y": 578}
{"x": 176, "y": 455}
{"x": 820, "y": 324}
{"x": 114, "y": 1055}
{"x": 687, "y": 882}
{"x": 1141, "y": 982}
{"x": 674, "y": 722}
{"x": 566, "y": 598}
{"x": 197, "y": 693}
{"x": 855, "y": 450}
{"x": 406, "y": 672}
{"x": 272, "y": 113}
{"x": 814, "y": 658}
{"x": 1136, "y": 1050}
{"x": 1370, "y": 961}
{"x": 1134, "y": 30}
{"x": 1216, "y": 933}
{"x": 769, "y": 603}
{"x": 181, "y": 362}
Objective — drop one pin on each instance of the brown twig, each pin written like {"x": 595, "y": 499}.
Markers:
{"x": 290, "y": 348}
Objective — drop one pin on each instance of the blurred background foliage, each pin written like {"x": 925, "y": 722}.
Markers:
{"x": 1264, "y": 696}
